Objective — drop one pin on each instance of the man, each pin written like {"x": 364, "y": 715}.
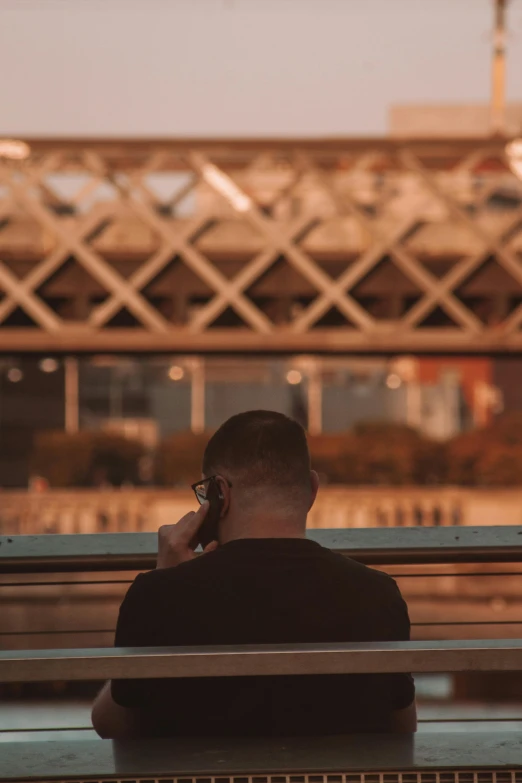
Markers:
{"x": 263, "y": 582}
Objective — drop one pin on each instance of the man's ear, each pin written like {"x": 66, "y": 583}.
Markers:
{"x": 225, "y": 492}
{"x": 314, "y": 485}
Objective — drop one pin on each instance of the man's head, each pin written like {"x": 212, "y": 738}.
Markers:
{"x": 264, "y": 455}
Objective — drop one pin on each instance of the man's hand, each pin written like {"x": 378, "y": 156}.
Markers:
{"x": 176, "y": 543}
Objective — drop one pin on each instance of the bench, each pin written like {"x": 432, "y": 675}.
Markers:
{"x": 492, "y": 757}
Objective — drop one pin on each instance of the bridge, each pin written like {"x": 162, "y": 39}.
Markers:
{"x": 301, "y": 246}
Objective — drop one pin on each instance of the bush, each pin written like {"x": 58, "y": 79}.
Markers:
{"x": 377, "y": 453}
{"x": 334, "y": 457}
{"x": 500, "y": 466}
{"x": 86, "y": 459}
{"x": 463, "y": 453}
{"x": 396, "y": 454}
{"x": 179, "y": 458}
{"x": 491, "y": 456}
{"x": 370, "y": 454}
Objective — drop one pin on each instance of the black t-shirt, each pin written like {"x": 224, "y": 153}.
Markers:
{"x": 264, "y": 591}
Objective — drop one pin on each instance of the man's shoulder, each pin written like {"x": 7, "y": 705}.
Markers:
{"x": 379, "y": 600}
{"x": 195, "y": 569}
{"x": 363, "y": 574}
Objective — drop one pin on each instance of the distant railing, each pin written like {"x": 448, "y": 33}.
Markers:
{"x": 139, "y": 510}
{"x": 336, "y": 507}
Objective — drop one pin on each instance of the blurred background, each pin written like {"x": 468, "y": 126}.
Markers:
{"x": 311, "y": 206}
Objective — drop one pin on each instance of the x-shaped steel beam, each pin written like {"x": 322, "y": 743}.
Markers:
{"x": 176, "y": 242}
{"x": 385, "y": 244}
{"x": 495, "y": 245}
{"x": 282, "y": 243}
{"x": 73, "y": 243}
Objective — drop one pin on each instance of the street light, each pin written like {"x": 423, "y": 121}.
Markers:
{"x": 498, "y": 75}
{"x": 14, "y": 375}
{"x": 176, "y": 372}
{"x": 48, "y": 365}
{"x": 294, "y": 377}
{"x": 393, "y": 381}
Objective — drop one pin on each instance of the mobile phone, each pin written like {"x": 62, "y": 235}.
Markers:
{"x": 208, "y": 531}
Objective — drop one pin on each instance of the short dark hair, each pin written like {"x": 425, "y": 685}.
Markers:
{"x": 260, "y": 448}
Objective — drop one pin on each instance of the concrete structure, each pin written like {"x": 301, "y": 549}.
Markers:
{"x": 94, "y": 511}
{"x": 442, "y": 121}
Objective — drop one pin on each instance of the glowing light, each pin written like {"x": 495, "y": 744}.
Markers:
{"x": 176, "y": 373}
{"x": 227, "y": 187}
{"x": 48, "y": 365}
{"x": 294, "y": 377}
{"x": 393, "y": 381}
{"x": 514, "y": 156}
{"x": 14, "y": 149}
{"x": 14, "y": 374}
{"x": 406, "y": 367}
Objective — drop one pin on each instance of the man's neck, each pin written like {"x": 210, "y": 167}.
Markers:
{"x": 266, "y": 529}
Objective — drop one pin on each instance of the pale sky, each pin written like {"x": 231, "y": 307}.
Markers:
{"x": 240, "y": 67}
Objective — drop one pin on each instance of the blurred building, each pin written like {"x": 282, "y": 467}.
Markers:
{"x": 450, "y": 121}
{"x": 31, "y": 399}
{"x": 150, "y": 398}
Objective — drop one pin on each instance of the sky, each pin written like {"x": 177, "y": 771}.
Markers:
{"x": 240, "y": 67}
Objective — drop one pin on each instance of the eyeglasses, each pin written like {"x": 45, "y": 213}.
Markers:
{"x": 201, "y": 487}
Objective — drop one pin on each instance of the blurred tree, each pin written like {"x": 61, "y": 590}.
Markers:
{"x": 378, "y": 453}
{"x": 373, "y": 453}
{"x": 86, "y": 459}
{"x": 179, "y": 458}
{"x": 491, "y": 456}
{"x": 396, "y": 454}
{"x": 335, "y": 457}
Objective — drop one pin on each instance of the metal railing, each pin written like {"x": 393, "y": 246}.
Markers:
{"x": 65, "y": 590}
{"x": 137, "y": 551}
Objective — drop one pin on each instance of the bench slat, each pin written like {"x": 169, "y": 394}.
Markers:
{"x": 154, "y": 662}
